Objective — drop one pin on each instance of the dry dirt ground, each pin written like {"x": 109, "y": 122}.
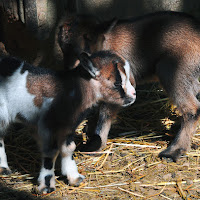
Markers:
{"x": 129, "y": 168}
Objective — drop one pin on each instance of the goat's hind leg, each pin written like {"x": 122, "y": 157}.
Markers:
{"x": 4, "y": 169}
{"x": 181, "y": 144}
{"x": 182, "y": 87}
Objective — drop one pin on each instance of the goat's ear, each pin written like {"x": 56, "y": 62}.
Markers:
{"x": 115, "y": 63}
{"x": 86, "y": 62}
{"x": 109, "y": 25}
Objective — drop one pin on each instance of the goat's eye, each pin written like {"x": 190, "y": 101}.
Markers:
{"x": 117, "y": 84}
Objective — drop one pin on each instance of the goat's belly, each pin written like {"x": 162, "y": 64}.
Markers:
{"x": 28, "y": 111}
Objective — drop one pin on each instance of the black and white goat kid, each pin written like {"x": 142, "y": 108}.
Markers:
{"x": 57, "y": 102}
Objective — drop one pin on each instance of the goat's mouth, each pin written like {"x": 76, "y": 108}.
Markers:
{"x": 128, "y": 101}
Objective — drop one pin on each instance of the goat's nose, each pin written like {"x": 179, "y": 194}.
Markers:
{"x": 133, "y": 92}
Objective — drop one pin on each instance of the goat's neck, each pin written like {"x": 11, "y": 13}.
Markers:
{"x": 89, "y": 92}
{"x": 89, "y": 99}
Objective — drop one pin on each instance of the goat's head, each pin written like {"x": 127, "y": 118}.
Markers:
{"x": 111, "y": 76}
{"x": 77, "y": 32}
{"x": 83, "y": 33}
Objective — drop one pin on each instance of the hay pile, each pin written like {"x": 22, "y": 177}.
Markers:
{"x": 127, "y": 169}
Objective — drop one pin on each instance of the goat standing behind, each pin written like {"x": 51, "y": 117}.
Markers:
{"x": 165, "y": 45}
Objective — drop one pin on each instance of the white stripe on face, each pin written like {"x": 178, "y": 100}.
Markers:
{"x": 126, "y": 84}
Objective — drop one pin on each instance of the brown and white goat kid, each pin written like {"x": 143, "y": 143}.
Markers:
{"x": 165, "y": 45}
{"x": 57, "y": 102}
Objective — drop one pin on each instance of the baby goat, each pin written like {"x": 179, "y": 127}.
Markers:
{"x": 165, "y": 45}
{"x": 57, "y": 102}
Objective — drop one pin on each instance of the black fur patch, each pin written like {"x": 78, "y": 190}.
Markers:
{"x": 84, "y": 115}
{"x": 192, "y": 116}
{"x": 103, "y": 117}
{"x": 5, "y": 171}
{"x": 36, "y": 70}
{"x": 70, "y": 139}
{"x": 47, "y": 180}
{"x": 48, "y": 164}
{"x": 1, "y": 144}
{"x": 93, "y": 144}
{"x": 118, "y": 83}
{"x": 20, "y": 117}
{"x": 8, "y": 65}
{"x": 128, "y": 100}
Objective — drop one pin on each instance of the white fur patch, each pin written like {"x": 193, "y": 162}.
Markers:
{"x": 126, "y": 84}
{"x": 43, "y": 173}
{"x": 69, "y": 168}
{"x": 16, "y": 98}
{"x": 68, "y": 165}
{"x": 3, "y": 158}
{"x": 127, "y": 69}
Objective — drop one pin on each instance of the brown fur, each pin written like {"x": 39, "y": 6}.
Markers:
{"x": 41, "y": 86}
{"x": 165, "y": 42}
{"x": 165, "y": 45}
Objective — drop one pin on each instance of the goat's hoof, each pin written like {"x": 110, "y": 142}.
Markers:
{"x": 76, "y": 182}
{"x": 93, "y": 144}
{"x": 5, "y": 171}
{"x": 173, "y": 155}
{"x": 46, "y": 190}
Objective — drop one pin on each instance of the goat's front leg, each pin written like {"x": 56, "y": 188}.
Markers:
{"x": 182, "y": 141}
{"x": 47, "y": 177}
{"x": 4, "y": 169}
{"x": 99, "y": 127}
{"x": 68, "y": 165}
